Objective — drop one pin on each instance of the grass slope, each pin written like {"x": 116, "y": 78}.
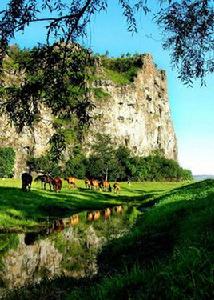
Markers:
{"x": 24, "y": 210}
{"x": 169, "y": 255}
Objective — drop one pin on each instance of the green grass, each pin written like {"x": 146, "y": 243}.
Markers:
{"x": 23, "y": 210}
{"x": 117, "y": 77}
{"x": 100, "y": 94}
{"x": 169, "y": 255}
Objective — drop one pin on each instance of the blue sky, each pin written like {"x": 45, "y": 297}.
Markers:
{"x": 192, "y": 108}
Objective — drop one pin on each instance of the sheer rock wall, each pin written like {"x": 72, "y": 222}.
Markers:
{"x": 136, "y": 115}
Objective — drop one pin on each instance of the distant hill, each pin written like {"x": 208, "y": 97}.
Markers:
{"x": 202, "y": 177}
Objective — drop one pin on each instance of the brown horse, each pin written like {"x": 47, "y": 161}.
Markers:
{"x": 87, "y": 184}
{"x": 71, "y": 181}
{"x": 116, "y": 187}
{"x": 104, "y": 185}
{"x": 45, "y": 179}
{"x": 94, "y": 184}
{"x": 57, "y": 184}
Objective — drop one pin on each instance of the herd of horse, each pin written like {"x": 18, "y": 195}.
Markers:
{"x": 55, "y": 183}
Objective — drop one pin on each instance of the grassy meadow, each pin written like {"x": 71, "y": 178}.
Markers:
{"x": 20, "y": 211}
{"x": 168, "y": 254}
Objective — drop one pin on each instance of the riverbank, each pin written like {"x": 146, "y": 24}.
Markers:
{"x": 168, "y": 254}
{"x": 24, "y": 211}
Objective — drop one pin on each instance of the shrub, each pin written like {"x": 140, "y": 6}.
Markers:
{"x": 7, "y": 159}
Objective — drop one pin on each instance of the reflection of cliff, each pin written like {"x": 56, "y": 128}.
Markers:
{"x": 70, "y": 251}
{"x": 30, "y": 263}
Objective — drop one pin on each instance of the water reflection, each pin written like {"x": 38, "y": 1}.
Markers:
{"x": 67, "y": 247}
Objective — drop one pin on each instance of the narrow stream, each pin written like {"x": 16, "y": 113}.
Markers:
{"x": 67, "y": 247}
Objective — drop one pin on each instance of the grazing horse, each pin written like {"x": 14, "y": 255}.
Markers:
{"x": 116, "y": 187}
{"x": 104, "y": 185}
{"x": 45, "y": 179}
{"x": 94, "y": 184}
{"x": 87, "y": 184}
{"x": 57, "y": 184}
{"x": 26, "y": 181}
{"x": 71, "y": 181}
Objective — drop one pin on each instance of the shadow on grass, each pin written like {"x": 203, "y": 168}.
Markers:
{"x": 38, "y": 205}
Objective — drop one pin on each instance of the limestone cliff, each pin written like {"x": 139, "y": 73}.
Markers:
{"x": 31, "y": 141}
{"x": 136, "y": 115}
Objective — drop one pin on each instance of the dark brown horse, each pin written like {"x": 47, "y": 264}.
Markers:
{"x": 57, "y": 184}
{"x": 116, "y": 187}
{"x": 26, "y": 181}
{"x": 45, "y": 179}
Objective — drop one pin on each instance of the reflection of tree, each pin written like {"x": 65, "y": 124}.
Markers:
{"x": 7, "y": 242}
{"x": 71, "y": 252}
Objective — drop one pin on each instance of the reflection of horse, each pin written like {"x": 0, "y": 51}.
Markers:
{"x": 116, "y": 187}
{"x": 93, "y": 215}
{"x": 74, "y": 220}
{"x": 45, "y": 179}
{"x": 118, "y": 209}
{"x": 26, "y": 181}
{"x": 58, "y": 225}
{"x": 57, "y": 184}
{"x": 71, "y": 181}
{"x": 107, "y": 213}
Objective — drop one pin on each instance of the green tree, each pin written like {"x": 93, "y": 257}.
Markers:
{"x": 76, "y": 165}
{"x": 7, "y": 160}
{"x": 45, "y": 164}
{"x": 103, "y": 156}
{"x": 187, "y": 26}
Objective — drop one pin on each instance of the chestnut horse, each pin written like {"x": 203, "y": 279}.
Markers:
{"x": 94, "y": 184}
{"x": 71, "y": 181}
{"x": 104, "y": 185}
{"x": 57, "y": 184}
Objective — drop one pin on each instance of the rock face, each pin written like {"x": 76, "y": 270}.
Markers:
{"x": 31, "y": 141}
{"x": 136, "y": 115}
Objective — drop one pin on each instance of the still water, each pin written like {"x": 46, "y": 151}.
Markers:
{"x": 66, "y": 247}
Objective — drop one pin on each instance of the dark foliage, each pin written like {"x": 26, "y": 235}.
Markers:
{"x": 54, "y": 76}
